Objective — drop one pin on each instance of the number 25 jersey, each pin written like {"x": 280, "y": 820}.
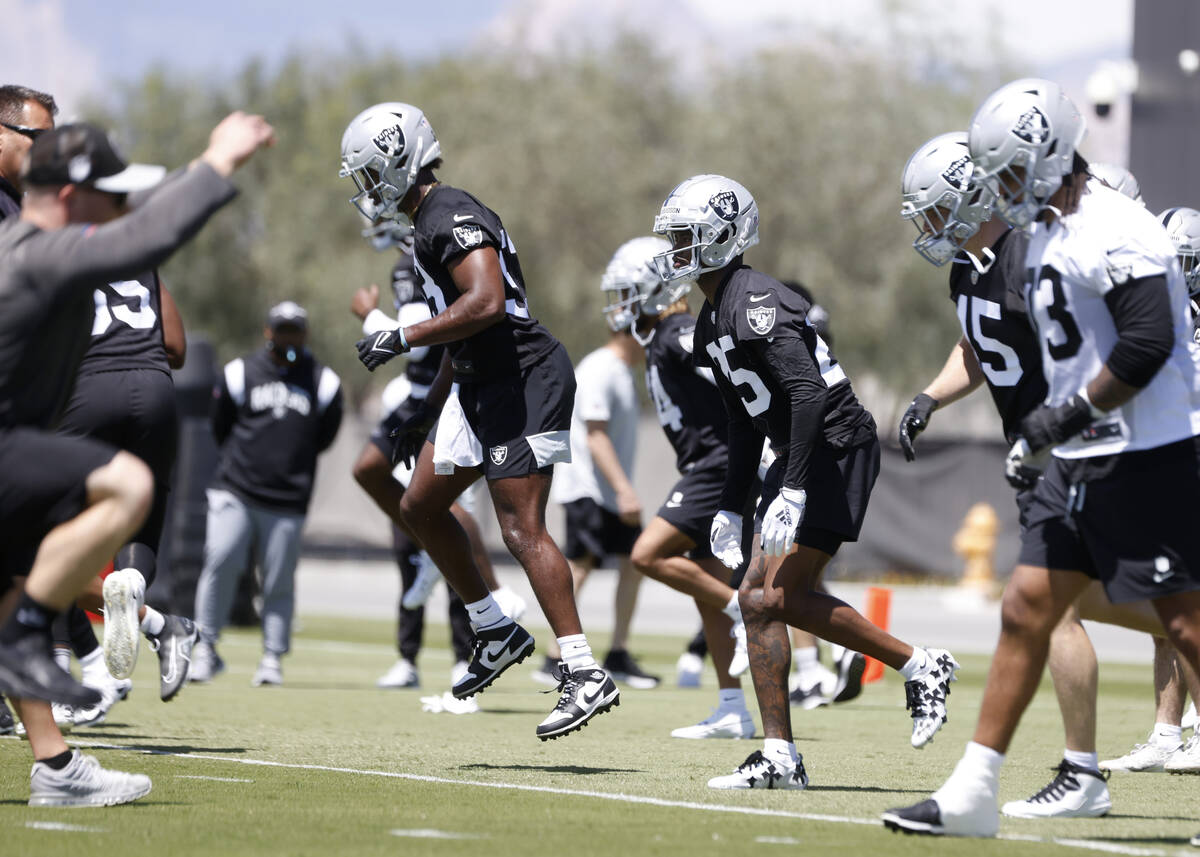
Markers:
{"x": 1070, "y": 266}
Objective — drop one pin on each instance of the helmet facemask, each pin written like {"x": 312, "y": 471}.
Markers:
{"x": 945, "y": 226}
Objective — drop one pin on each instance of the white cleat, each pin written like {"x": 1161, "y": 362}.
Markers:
{"x": 402, "y": 675}
{"x": 1190, "y": 720}
{"x": 112, "y": 690}
{"x": 64, "y": 719}
{"x": 124, "y": 594}
{"x": 1185, "y": 760}
{"x": 759, "y": 772}
{"x": 688, "y": 670}
{"x": 84, "y": 783}
{"x": 741, "y": 655}
{"x": 511, "y": 605}
{"x": 964, "y": 806}
{"x": 269, "y": 672}
{"x": 926, "y": 696}
{"x": 1143, "y": 758}
{"x": 720, "y": 724}
{"x": 1074, "y": 792}
{"x": 206, "y": 663}
{"x": 428, "y": 576}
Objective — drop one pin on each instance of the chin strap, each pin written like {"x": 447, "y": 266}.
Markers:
{"x": 981, "y": 266}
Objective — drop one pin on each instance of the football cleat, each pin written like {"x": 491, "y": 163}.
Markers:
{"x": 1143, "y": 758}
{"x": 1190, "y": 719}
{"x": 511, "y": 605}
{"x": 427, "y": 578}
{"x": 808, "y": 698}
{"x": 269, "y": 672}
{"x": 925, "y": 696}
{"x": 585, "y": 693}
{"x": 688, "y": 670}
{"x": 759, "y": 772}
{"x": 28, "y": 671}
{"x": 850, "y": 668}
{"x": 112, "y": 691}
{"x": 1075, "y": 792}
{"x": 740, "y": 662}
{"x": 64, "y": 719}
{"x": 1185, "y": 760}
{"x": 206, "y": 663}
{"x": 547, "y": 673}
{"x": 7, "y": 723}
{"x": 719, "y": 724}
{"x": 84, "y": 783}
{"x": 973, "y": 814}
{"x": 623, "y": 668}
{"x": 402, "y": 674}
{"x": 496, "y": 649}
{"x": 124, "y": 593}
{"x": 174, "y": 647}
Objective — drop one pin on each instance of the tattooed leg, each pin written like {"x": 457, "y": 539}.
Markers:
{"x": 769, "y": 648}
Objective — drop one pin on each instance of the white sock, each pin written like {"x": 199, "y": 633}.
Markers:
{"x": 576, "y": 653}
{"x": 836, "y": 652}
{"x": 807, "y": 664}
{"x": 1091, "y": 761}
{"x": 1166, "y": 735}
{"x": 92, "y": 664}
{"x": 917, "y": 664}
{"x": 62, "y": 657}
{"x": 778, "y": 750}
{"x": 153, "y": 622}
{"x": 486, "y": 613}
{"x": 733, "y": 609}
{"x": 732, "y": 699}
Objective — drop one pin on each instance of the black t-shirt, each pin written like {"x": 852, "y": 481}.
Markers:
{"x": 127, "y": 330}
{"x": 451, "y": 223}
{"x": 778, "y": 379}
{"x": 991, "y": 310}
{"x": 272, "y": 421}
{"x": 687, "y": 402}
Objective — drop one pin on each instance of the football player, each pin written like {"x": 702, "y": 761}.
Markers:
{"x": 779, "y": 381}
{"x": 385, "y": 480}
{"x": 673, "y": 548}
{"x": 1109, "y": 307}
{"x": 506, "y": 417}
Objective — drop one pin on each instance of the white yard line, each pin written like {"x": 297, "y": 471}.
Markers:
{"x": 213, "y": 779}
{"x": 60, "y": 827}
{"x": 436, "y": 834}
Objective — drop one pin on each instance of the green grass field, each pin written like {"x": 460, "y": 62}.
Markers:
{"x": 330, "y": 765}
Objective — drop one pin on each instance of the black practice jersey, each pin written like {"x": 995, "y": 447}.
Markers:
{"x": 272, "y": 421}
{"x": 451, "y": 223}
{"x": 48, "y": 279}
{"x": 685, "y": 395}
{"x": 127, "y": 330}
{"x": 1195, "y": 321}
{"x": 419, "y": 372}
{"x": 777, "y": 378}
{"x": 991, "y": 310}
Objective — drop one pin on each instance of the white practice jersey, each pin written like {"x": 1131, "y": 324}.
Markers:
{"x": 1071, "y": 265}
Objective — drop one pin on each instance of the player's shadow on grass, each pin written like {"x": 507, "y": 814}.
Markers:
{"x": 550, "y": 769}
{"x": 876, "y": 789}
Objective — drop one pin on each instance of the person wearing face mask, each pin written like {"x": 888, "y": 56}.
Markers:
{"x": 274, "y": 411}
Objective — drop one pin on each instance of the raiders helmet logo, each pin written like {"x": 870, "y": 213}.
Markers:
{"x": 499, "y": 454}
{"x": 390, "y": 141}
{"x": 1032, "y": 127}
{"x": 957, "y": 173}
{"x": 725, "y": 204}
{"x": 468, "y": 236}
{"x": 761, "y": 318}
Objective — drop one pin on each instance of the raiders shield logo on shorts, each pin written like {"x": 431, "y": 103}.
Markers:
{"x": 468, "y": 236}
{"x": 761, "y": 318}
{"x": 499, "y": 454}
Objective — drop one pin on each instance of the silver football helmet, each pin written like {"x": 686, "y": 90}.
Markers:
{"x": 940, "y": 198}
{"x": 1022, "y": 140}
{"x": 709, "y": 220}
{"x": 1183, "y": 227}
{"x": 383, "y": 149}
{"x": 1119, "y": 179}
{"x": 632, "y": 285}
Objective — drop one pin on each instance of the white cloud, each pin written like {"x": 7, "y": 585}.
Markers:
{"x": 41, "y": 52}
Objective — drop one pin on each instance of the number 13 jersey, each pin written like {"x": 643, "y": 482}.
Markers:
{"x": 1071, "y": 265}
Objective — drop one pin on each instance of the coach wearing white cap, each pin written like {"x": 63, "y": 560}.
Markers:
{"x": 274, "y": 411}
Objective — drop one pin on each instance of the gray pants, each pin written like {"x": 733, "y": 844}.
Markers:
{"x": 235, "y": 529}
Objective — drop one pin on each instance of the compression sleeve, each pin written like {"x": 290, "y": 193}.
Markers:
{"x": 745, "y": 449}
{"x": 1141, "y": 310}
{"x": 793, "y": 368}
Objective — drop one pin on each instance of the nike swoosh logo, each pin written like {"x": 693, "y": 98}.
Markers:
{"x": 173, "y": 668}
{"x": 380, "y": 339}
{"x": 590, "y": 699}
{"x": 492, "y": 661}
{"x": 757, "y": 298}
{"x": 1160, "y": 576}
{"x": 459, "y": 218}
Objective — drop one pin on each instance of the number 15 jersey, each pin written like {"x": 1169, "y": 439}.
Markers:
{"x": 127, "y": 331}
{"x": 1071, "y": 265}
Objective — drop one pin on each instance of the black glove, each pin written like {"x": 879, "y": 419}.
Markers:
{"x": 1021, "y": 476}
{"x": 410, "y": 436}
{"x": 915, "y": 421}
{"x": 1047, "y": 426}
{"x": 379, "y": 348}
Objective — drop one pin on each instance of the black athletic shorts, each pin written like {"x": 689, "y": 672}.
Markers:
{"x": 839, "y": 488}
{"x": 381, "y": 437}
{"x": 596, "y": 532}
{"x": 523, "y": 421}
{"x": 690, "y": 506}
{"x": 43, "y": 483}
{"x": 133, "y": 410}
{"x": 1127, "y": 520}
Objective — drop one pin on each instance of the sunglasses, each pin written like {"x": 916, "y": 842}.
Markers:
{"x": 31, "y": 133}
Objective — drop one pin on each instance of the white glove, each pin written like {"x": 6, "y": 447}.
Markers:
{"x": 725, "y": 538}
{"x": 779, "y": 524}
{"x": 1019, "y": 457}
